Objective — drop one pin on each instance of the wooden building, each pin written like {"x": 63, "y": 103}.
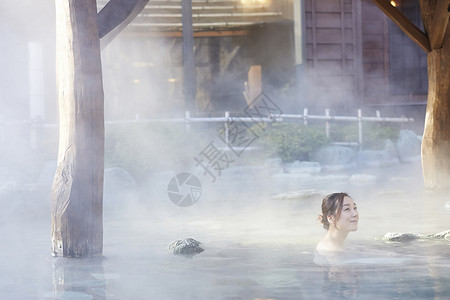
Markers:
{"x": 352, "y": 55}
{"x": 361, "y": 57}
{"x": 144, "y": 64}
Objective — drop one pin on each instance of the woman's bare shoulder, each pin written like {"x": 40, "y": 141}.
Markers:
{"x": 326, "y": 247}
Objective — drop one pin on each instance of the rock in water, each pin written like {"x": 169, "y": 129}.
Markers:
{"x": 440, "y": 235}
{"x": 187, "y": 247}
{"x": 407, "y": 237}
{"x": 400, "y": 237}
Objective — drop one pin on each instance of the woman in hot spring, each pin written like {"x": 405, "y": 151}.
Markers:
{"x": 339, "y": 217}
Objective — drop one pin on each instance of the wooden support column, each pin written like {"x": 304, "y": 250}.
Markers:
{"x": 436, "y": 136}
{"x": 254, "y": 83}
{"x": 77, "y": 194}
{"x": 189, "y": 71}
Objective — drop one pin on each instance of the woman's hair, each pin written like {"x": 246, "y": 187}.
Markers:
{"x": 331, "y": 206}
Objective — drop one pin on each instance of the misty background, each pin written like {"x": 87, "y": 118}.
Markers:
{"x": 143, "y": 79}
{"x": 254, "y": 220}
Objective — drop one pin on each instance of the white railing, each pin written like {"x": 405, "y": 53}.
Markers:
{"x": 278, "y": 118}
{"x": 227, "y": 120}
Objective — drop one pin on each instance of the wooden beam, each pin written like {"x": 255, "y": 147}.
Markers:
{"x": 115, "y": 16}
{"x": 177, "y": 34}
{"x": 221, "y": 33}
{"x": 411, "y": 30}
{"x": 439, "y": 24}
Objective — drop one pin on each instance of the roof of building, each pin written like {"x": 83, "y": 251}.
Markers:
{"x": 165, "y": 16}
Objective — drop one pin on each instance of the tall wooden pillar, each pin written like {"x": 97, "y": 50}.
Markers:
{"x": 189, "y": 71}
{"x": 77, "y": 225}
{"x": 436, "y": 136}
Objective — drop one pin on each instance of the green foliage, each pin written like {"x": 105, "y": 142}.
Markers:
{"x": 291, "y": 141}
{"x": 374, "y": 134}
{"x": 144, "y": 148}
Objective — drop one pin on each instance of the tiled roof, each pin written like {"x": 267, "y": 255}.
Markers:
{"x": 207, "y": 15}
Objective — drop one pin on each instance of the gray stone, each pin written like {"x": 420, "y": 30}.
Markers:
{"x": 310, "y": 167}
{"x": 334, "y": 178}
{"x": 298, "y": 177}
{"x": 379, "y": 158}
{"x": 440, "y": 235}
{"x": 408, "y": 146}
{"x": 302, "y": 195}
{"x": 237, "y": 172}
{"x": 407, "y": 237}
{"x": 335, "y": 157}
{"x": 340, "y": 168}
{"x": 390, "y": 148}
{"x": 187, "y": 247}
{"x": 400, "y": 237}
{"x": 274, "y": 165}
{"x": 363, "y": 179}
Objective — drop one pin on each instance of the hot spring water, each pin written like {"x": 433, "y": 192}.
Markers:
{"x": 256, "y": 247}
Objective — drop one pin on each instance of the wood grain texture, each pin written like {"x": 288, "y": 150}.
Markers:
{"x": 411, "y": 30}
{"x": 115, "y": 16}
{"x": 77, "y": 193}
{"x": 436, "y": 137}
{"x": 439, "y": 24}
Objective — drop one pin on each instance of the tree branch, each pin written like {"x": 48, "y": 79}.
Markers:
{"x": 411, "y": 30}
{"x": 439, "y": 24}
{"x": 115, "y": 16}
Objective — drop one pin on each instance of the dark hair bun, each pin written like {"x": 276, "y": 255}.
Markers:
{"x": 324, "y": 222}
{"x": 331, "y": 206}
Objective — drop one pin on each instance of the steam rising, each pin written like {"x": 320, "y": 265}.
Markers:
{"x": 256, "y": 245}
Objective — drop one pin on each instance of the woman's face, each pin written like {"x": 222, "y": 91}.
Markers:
{"x": 348, "y": 220}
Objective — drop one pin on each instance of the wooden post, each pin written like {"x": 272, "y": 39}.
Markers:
{"x": 305, "y": 116}
{"x": 360, "y": 129}
{"x": 227, "y": 126}
{"x": 189, "y": 71}
{"x": 436, "y": 136}
{"x": 254, "y": 83}
{"x": 77, "y": 194}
